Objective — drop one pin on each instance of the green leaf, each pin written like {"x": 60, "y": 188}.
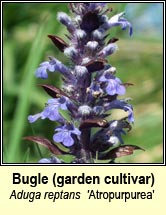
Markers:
{"x": 62, "y": 147}
{"x": 66, "y": 158}
{"x": 26, "y": 88}
{"x": 26, "y": 155}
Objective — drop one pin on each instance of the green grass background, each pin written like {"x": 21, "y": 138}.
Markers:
{"x": 139, "y": 61}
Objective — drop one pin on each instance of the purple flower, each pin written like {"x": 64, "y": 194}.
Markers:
{"x": 94, "y": 91}
{"x": 84, "y": 110}
{"x": 119, "y": 20}
{"x": 80, "y": 34}
{"x": 51, "y": 110}
{"x": 120, "y": 104}
{"x": 82, "y": 76}
{"x": 41, "y": 72}
{"x": 90, "y": 87}
{"x": 52, "y": 66}
{"x": 33, "y": 118}
{"x": 66, "y": 20}
{"x": 112, "y": 135}
{"x": 129, "y": 108}
{"x": 65, "y": 134}
{"x": 108, "y": 50}
{"x": 50, "y": 160}
{"x": 71, "y": 52}
{"x": 92, "y": 45}
{"x": 114, "y": 84}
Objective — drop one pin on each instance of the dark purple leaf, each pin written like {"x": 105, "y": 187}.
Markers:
{"x": 113, "y": 40}
{"x": 121, "y": 151}
{"x": 94, "y": 66}
{"x": 45, "y": 142}
{"x": 89, "y": 123}
{"x": 58, "y": 42}
{"x": 127, "y": 84}
{"x": 53, "y": 91}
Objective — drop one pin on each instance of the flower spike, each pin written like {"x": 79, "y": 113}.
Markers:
{"x": 81, "y": 109}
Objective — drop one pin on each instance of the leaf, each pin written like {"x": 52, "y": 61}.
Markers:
{"x": 53, "y": 91}
{"x": 121, "y": 151}
{"x": 112, "y": 40}
{"x": 61, "y": 147}
{"x": 45, "y": 142}
{"x": 67, "y": 158}
{"x": 89, "y": 123}
{"x": 26, "y": 155}
{"x": 95, "y": 65}
{"x": 58, "y": 42}
{"x": 127, "y": 84}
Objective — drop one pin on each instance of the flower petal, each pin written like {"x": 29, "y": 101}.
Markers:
{"x": 33, "y": 118}
{"x": 68, "y": 140}
{"x": 58, "y": 137}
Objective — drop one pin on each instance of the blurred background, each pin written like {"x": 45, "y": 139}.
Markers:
{"x": 139, "y": 60}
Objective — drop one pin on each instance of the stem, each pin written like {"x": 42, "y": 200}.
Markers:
{"x": 85, "y": 141}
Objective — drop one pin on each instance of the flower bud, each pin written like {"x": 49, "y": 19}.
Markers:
{"x": 113, "y": 125}
{"x": 113, "y": 140}
{"x": 84, "y": 110}
{"x": 109, "y": 49}
{"x": 66, "y": 20}
{"x": 80, "y": 71}
{"x": 80, "y": 34}
{"x": 98, "y": 110}
{"x": 71, "y": 52}
{"x": 92, "y": 46}
{"x": 97, "y": 35}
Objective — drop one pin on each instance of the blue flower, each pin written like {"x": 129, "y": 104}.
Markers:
{"x": 116, "y": 127}
{"x": 51, "y": 110}
{"x": 119, "y": 20}
{"x": 52, "y": 66}
{"x": 92, "y": 46}
{"x": 120, "y": 104}
{"x": 90, "y": 87}
{"x": 108, "y": 50}
{"x": 41, "y": 72}
{"x": 71, "y": 52}
{"x": 95, "y": 90}
{"x": 49, "y": 160}
{"x": 65, "y": 134}
{"x": 66, "y": 20}
{"x": 84, "y": 110}
{"x": 129, "y": 108}
{"x": 112, "y": 135}
{"x": 114, "y": 84}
